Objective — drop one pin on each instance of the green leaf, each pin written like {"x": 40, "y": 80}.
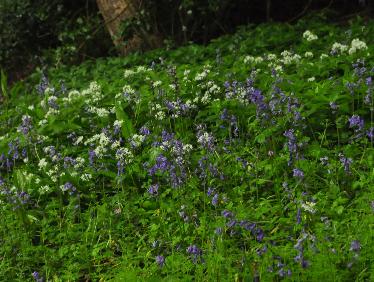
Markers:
{"x": 127, "y": 127}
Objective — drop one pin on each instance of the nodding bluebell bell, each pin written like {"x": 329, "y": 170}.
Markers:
{"x": 291, "y": 145}
{"x": 162, "y": 164}
{"x": 298, "y": 216}
{"x": 37, "y": 277}
{"x": 369, "y": 81}
{"x": 195, "y": 252}
{"x": 23, "y": 197}
{"x": 356, "y": 122}
{"x": 153, "y": 189}
{"x": 69, "y": 187}
{"x": 120, "y": 168}
{"x": 144, "y": 130}
{"x": 215, "y": 200}
{"x": 355, "y": 246}
{"x": 333, "y": 106}
{"x": 91, "y": 157}
{"x": 26, "y": 124}
{"x": 346, "y": 162}
{"x": 227, "y": 213}
{"x": 298, "y": 173}
{"x": 160, "y": 260}
{"x": 43, "y": 85}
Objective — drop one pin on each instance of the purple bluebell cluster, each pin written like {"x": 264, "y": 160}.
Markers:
{"x": 298, "y": 173}
{"x": 37, "y": 277}
{"x": 69, "y": 187}
{"x": 160, "y": 260}
{"x": 346, "y": 162}
{"x": 153, "y": 189}
{"x": 194, "y": 252}
{"x": 356, "y": 122}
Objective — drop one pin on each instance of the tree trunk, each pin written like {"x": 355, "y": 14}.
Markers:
{"x": 114, "y": 12}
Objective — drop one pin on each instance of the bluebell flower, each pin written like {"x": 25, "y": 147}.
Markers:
{"x": 210, "y": 191}
{"x": 144, "y": 130}
{"x": 91, "y": 157}
{"x": 333, "y": 106}
{"x": 43, "y": 85}
{"x": 160, "y": 260}
{"x": 194, "y": 250}
{"x": 153, "y": 189}
{"x": 37, "y": 277}
{"x": 298, "y": 216}
{"x": 259, "y": 234}
{"x": 370, "y": 133}
{"x": 356, "y": 121}
{"x": 369, "y": 81}
{"x": 215, "y": 200}
{"x": 355, "y": 246}
{"x": 346, "y": 162}
{"x": 226, "y": 213}
{"x": 231, "y": 223}
{"x": 298, "y": 173}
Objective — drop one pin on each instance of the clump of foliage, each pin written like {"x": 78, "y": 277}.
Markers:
{"x": 251, "y": 158}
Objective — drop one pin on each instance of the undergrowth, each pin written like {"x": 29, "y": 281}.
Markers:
{"x": 248, "y": 159}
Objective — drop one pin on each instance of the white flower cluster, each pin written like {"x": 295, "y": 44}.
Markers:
{"x": 44, "y": 189}
{"x": 128, "y": 94}
{"x": 186, "y": 149}
{"x": 357, "y": 45}
{"x": 42, "y": 164}
{"x": 86, "y": 177}
{"x": 93, "y": 93}
{"x": 78, "y": 141}
{"x": 159, "y": 113}
{"x": 309, "y": 207}
{"x": 102, "y": 141}
{"x": 338, "y": 48}
{"x": 271, "y": 57}
{"x": 289, "y": 58}
{"x": 185, "y": 75}
{"x": 309, "y": 36}
{"x": 139, "y": 69}
{"x": 124, "y": 155}
{"x": 79, "y": 162}
{"x": 253, "y": 60}
{"x": 52, "y": 173}
{"x": 202, "y": 75}
{"x": 100, "y": 112}
{"x": 311, "y": 79}
{"x": 118, "y": 123}
{"x": 275, "y": 66}
{"x": 51, "y": 110}
{"x": 308, "y": 54}
{"x": 50, "y": 150}
{"x": 211, "y": 89}
{"x": 137, "y": 139}
{"x": 205, "y": 138}
{"x": 73, "y": 95}
{"x": 156, "y": 84}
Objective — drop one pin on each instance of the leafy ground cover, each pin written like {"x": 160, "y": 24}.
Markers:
{"x": 248, "y": 159}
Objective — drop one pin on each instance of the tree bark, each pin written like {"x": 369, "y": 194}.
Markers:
{"x": 114, "y": 12}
